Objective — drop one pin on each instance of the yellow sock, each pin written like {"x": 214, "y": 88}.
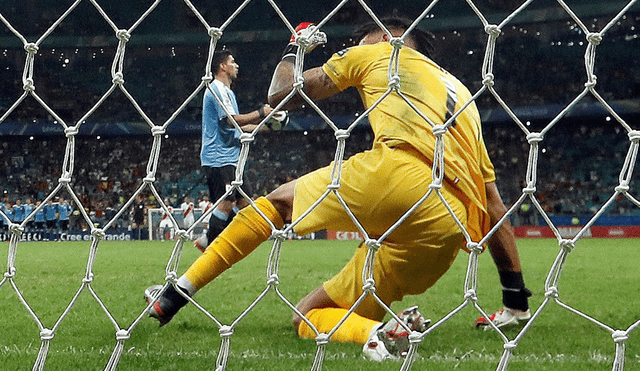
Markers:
{"x": 245, "y": 232}
{"x": 355, "y": 329}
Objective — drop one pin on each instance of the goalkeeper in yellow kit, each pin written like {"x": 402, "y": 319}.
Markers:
{"x": 379, "y": 186}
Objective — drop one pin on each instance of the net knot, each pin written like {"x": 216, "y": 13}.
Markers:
{"x": 225, "y": 331}
{"x": 118, "y": 78}
{"x": 279, "y": 235}
{"x": 299, "y": 83}
{"x": 322, "y": 339}
{"x": 236, "y": 183}
{"x": 529, "y": 189}
{"x": 619, "y": 336}
{"x": 11, "y": 273}
{"x": 333, "y": 186}
{"x": 594, "y": 38}
{"x": 31, "y": 48}
{"x": 158, "y": 130}
{"x": 215, "y": 32}
{"x": 470, "y": 295}
{"x": 567, "y": 245}
{"x": 122, "y": 334}
{"x": 123, "y": 35}
{"x": 492, "y": 30}
{"x": 534, "y": 137}
{"x": 439, "y": 130}
{"x": 474, "y": 247}
{"x": 65, "y": 179}
{"x": 16, "y": 229}
{"x": 488, "y": 80}
{"x": 397, "y": 42}
{"x": 149, "y": 179}
{"x": 415, "y": 337}
{"x": 98, "y": 233}
{"x": 372, "y": 244}
{"x": 369, "y": 286}
{"x": 246, "y": 138}
{"x": 622, "y": 188}
{"x": 28, "y": 85}
{"x": 273, "y": 280}
{"x": 552, "y": 292}
{"x": 436, "y": 184}
{"x": 182, "y": 235}
{"x": 593, "y": 80}
{"x": 303, "y": 41}
{"x": 634, "y": 135}
{"x": 46, "y": 334}
{"x": 510, "y": 345}
{"x": 171, "y": 277}
{"x": 342, "y": 134}
{"x": 208, "y": 77}
{"x": 88, "y": 279}
{"x": 394, "y": 82}
{"x": 71, "y": 131}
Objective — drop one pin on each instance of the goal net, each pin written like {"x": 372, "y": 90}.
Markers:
{"x": 69, "y": 122}
{"x": 161, "y": 227}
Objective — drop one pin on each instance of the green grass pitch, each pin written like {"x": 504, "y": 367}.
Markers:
{"x": 600, "y": 278}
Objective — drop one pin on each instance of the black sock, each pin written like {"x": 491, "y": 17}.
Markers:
{"x": 216, "y": 226}
{"x": 173, "y": 301}
{"x": 514, "y": 294}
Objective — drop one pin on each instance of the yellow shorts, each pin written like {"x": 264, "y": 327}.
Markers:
{"x": 379, "y": 186}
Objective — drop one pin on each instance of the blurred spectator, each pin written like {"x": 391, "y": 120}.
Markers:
{"x": 138, "y": 212}
{"x": 18, "y": 211}
{"x": 39, "y": 219}
{"x": 51, "y": 215}
{"x": 64, "y": 212}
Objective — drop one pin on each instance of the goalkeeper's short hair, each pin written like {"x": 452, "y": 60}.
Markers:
{"x": 421, "y": 38}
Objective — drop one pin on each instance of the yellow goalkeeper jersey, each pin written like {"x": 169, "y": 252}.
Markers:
{"x": 437, "y": 95}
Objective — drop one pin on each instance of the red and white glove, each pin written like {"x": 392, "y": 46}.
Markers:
{"x": 305, "y": 36}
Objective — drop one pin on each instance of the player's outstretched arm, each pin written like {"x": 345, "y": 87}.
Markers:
{"x": 317, "y": 85}
{"x": 249, "y": 121}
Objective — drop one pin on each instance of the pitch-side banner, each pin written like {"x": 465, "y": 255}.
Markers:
{"x": 36, "y": 235}
{"x": 597, "y": 231}
{"x": 535, "y": 232}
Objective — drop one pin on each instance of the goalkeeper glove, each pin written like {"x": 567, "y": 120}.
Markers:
{"x": 305, "y": 30}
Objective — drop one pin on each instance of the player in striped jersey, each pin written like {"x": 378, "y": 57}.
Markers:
{"x": 166, "y": 226}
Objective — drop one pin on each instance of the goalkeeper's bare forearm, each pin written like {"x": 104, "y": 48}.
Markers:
{"x": 317, "y": 85}
{"x": 505, "y": 254}
{"x": 503, "y": 243}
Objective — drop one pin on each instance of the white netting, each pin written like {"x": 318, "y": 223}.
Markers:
{"x": 158, "y": 130}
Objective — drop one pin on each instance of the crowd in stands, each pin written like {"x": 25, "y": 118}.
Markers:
{"x": 108, "y": 171}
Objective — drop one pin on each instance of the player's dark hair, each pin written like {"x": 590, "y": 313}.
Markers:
{"x": 421, "y": 38}
{"x": 219, "y": 56}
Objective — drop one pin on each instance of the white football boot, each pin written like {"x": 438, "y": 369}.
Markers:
{"x": 390, "y": 340}
{"x": 504, "y": 317}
